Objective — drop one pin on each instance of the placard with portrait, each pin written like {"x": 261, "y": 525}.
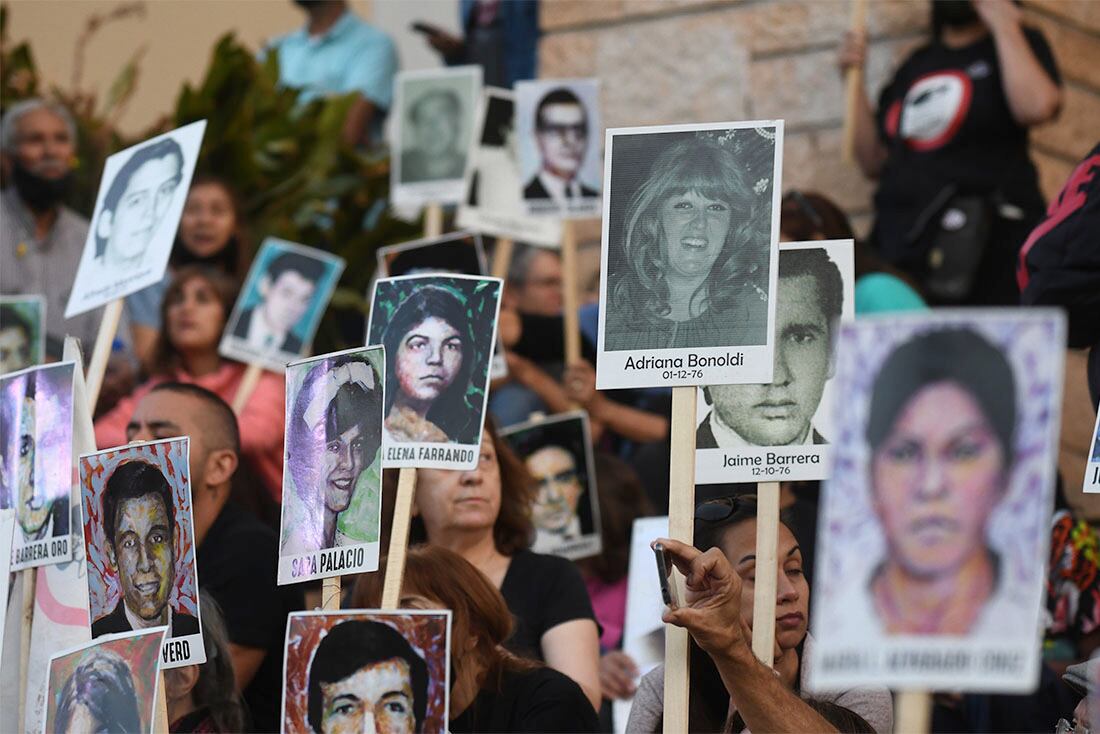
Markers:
{"x": 36, "y": 461}
{"x": 22, "y": 332}
{"x": 137, "y": 211}
{"x": 281, "y": 304}
{"x": 782, "y": 430}
{"x": 332, "y": 469}
{"x": 139, "y": 541}
{"x": 558, "y": 453}
{"x": 344, "y": 670}
{"x": 935, "y": 525}
{"x": 439, "y": 332}
{"x": 689, "y": 255}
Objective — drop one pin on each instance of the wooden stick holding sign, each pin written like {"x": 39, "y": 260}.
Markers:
{"x": 433, "y": 220}
{"x": 161, "y": 725}
{"x": 767, "y": 571}
{"x": 330, "y": 592}
{"x": 502, "y": 258}
{"x": 681, "y": 526}
{"x": 853, "y": 86}
{"x": 101, "y": 352}
{"x": 26, "y": 620}
{"x": 248, "y": 385}
{"x": 914, "y": 712}
{"x": 569, "y": 293}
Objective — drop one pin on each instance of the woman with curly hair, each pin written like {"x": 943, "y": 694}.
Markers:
{"x": 694, "y": 258}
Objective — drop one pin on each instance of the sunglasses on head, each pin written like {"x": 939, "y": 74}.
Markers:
{"x": 722, "y": 508}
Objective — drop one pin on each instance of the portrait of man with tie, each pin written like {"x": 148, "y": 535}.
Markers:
{"x": 560, "y": 165}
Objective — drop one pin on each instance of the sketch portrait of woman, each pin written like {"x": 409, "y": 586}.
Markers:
{"x": 333, "y": 435}
{"x": 430, "y": 356}
{"x": 941, "y": 433}
{"x": 693, "y": 248}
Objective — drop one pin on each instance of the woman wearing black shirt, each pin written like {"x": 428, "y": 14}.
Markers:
{"x": 952, "y": 127}
{"x": 492, "y": 690}
{"x": 484, "y": 515}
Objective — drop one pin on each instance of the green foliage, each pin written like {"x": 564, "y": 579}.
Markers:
{"x": 296, "y": 177}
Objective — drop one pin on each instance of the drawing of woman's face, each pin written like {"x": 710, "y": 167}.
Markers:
{"x": 428, "y": 359}
{"x": 695, "y": 230}
{"x": 937, "y": 477}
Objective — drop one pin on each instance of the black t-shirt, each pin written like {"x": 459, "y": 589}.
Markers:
{"x": 945, "y": 119}
{"x": 237, "y": 563}
{"x": 542, "y": 592}
{"x": 539, "y": 700}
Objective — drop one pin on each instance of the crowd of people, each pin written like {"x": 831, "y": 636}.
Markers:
{"x": 537, "y": 638}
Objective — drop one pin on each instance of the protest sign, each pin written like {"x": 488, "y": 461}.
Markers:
{"x": 332, "y": 471}
{"x": 456, "y": 252}
{"x": 782, "y": 430}
{"x": 689, "y": 256}
{"x": 282, "y": 302}
{"x": 108, "y": 684}
{"x": 344, "y": 669}
{"x": 137, "y": 210}
{"x": 493, "y": 199}
{"x": 558, "y": 454}
{"x": 22, "y": 332}
{"x": 140, "y": 545}
{"x": 935, "y": 528}
{"x": 433, "y": 125}
{"x": 438, "y": 332}
{"x": 558, "y": 126}
{"x": 36, "y": 435}
{"x": 1092, "y": 468}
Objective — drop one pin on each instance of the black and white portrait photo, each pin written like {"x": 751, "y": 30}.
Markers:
{"x": 689, "y": 256}
{"x": 493, "y": 199}
{"x": 558, "y": 454}
{"x": 438, "y": 331}
{"x": 137, "y": 211}
{"x": 456, "y": 252}
{"x": 783, "y": 428}
{"x": 434, "y": 125}
{"x": 282, "y": 302}
{"x": 559, "y": 146}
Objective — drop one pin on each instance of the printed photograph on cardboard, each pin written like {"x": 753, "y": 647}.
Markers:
{"x": 105, "y": 685}
{"x": 36, "y": 461}
{"x": 1092, "y": 469}
{"x": 332, "y": 469}
{"x": 782, "y": 430}
{"x": 689, "y": 256}
{"x": 559, "y": 127}
{"x": 558, "y": 454}
{"x": 345, "y": 670}
{"x": 139, "y": 541}
{"x": 457, "y": 252}
{"x": 137, "y": 210}
{"x": 935, "y": 526}
{"x": 439, "y": 332}
{"x": 22, "y": 332}
{"x": 283, "y": 299}
{"x": 433, "y": 125}
{"x": 493, "y": 199}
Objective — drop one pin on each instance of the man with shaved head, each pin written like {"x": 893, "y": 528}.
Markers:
{"x": 237, "y": 555}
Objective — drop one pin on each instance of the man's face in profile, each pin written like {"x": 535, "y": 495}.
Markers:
{"x": 286, "y": 300}
{"x": 559, "y": 487}
{"x": 142, "y": 206}
{"x": 34, "y": 507}
{"x": 780, "y": 413}
{"x": 436, "y": 125}
{"x": 562, "y": 135}
{"x": 15, "y": 349}
{"x": 143, "y": 552}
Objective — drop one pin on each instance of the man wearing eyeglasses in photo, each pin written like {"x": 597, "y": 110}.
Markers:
{"x": 561, "y": 133}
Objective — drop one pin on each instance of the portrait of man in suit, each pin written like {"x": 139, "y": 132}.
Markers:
{"x": 811, "y": 297}
{"x": 561, "y": 135}
{"x": 139, "y": 518}
{"x": 286, "y": 290}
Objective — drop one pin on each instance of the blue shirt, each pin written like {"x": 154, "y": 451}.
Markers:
{"x": 351, "y": 56}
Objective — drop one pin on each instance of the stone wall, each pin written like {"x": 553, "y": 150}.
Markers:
{"x": 676, "y": 61}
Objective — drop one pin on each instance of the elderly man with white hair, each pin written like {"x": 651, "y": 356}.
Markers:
{"x": 41, "y": 239}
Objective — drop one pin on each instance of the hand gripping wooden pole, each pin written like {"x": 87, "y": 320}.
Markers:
{"x": 853, "y": 85}
{"x": 767, "y": 572}
{"x": 681, "y": 525}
